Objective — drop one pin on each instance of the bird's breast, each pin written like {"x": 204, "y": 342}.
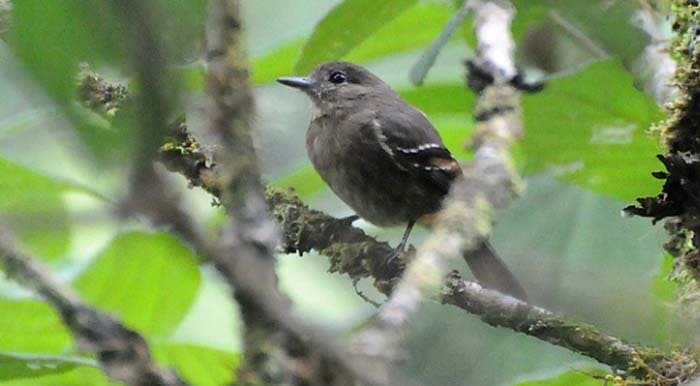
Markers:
{"x": 360, "y": 173}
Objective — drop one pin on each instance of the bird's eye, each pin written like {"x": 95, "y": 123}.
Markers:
{"x": 337, "y": 77}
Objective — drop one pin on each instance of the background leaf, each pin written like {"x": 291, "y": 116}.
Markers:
{"x": 148, "y": 279}
{"x": 33, "y": 205}
{"x": 346, "y": 26}
{"x": 591, "y": 130}
{"x": 16, "y": 366}
{"x": 80, "y": 376}
{"x": 583, "y": 377}
{"x": 31, "y": 326}
{"x": 198, "y": 365}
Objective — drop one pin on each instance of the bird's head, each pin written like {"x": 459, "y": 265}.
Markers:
{"x": 337, "y": 84}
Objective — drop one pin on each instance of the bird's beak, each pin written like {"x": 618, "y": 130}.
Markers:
{"x": 300, "y": 83}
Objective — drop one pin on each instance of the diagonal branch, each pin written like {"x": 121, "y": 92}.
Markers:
{"x": 489, "y": 183}
{"x": 123, "y": 353}
{"x": 354, "y": 253}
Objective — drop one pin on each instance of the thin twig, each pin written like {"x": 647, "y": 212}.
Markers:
{"x": 427, "y": 59}
{"x": 578, "y": 35}
{"x": 5, "y": 13}
{"x": 123, "y": 353}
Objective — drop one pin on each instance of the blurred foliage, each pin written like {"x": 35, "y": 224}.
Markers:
{"x": 588, "y": 127}
{"x": 201, "y": 366}
{"x": 13, "y": 366}
{"x": 345, "y": 27}
{"x": 33, "y": 205}
{"x": 594, "y": 136}
{"x": 571, "y": 378}
{"x": 157, "y": 280}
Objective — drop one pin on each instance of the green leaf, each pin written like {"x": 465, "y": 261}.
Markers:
{"x": 440, "y": 99}
{"x": 32, "y": 204}
{"x": 665, "y": 291}
{"x": 79, "y": 376}
{"x": 279, "y": 62}
{"x": 608, "y": 23}
{"x": 448, "y": 107}
{"x": 198, "y": 365}
{"x": 345, "y": 27}
{"x": 591, "y": 129}
{"x": 51, "y": 38}
{"x": 31, "y": 326}
{"x": 415, "y": 28}
{"x": 583, "y": 377}
{"x": 15, "y": 366}
{"x": 149, "y": 280}
{"x": 305, "y": 181}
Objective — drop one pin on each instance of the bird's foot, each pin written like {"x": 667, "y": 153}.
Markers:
{"x": 394, "y": 257}
{"x": 348, "y": 220}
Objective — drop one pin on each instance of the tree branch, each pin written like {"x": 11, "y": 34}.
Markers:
{"x": 489, "y": 182}
{"x": 123, "y": 353}
{"x": 5, "y": 13}
{"x": 656, "y": 66}
{"x": 352, "y": 252}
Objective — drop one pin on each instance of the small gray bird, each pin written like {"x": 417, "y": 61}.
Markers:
{"x": 383, "y": 157}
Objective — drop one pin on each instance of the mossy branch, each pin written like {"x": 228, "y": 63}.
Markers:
{"x": 354, "y": 253}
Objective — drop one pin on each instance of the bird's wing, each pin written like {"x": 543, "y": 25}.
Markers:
{"x": 416, "y": 147}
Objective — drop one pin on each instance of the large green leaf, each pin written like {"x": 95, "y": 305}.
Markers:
{"x": 16, "y": 366}
{"x": 32, "y": 204}
{"x": 415, "y": 28}
{"x": 51, "y": 38}
{"x": 591, "y": 129}
{"x": 31, "y": 326}
{"x": 148, "y": 279}
{"x": 279, "y": 62}
{"x": 198, "y": 365}
{"x": 345, "y": 27}
{"x": 591, "y": 377}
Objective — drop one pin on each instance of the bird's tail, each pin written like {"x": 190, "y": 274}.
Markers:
{"x": 492, "y": 272}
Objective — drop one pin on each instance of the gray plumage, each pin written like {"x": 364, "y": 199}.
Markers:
{"x": 384, "y": 166}
{"x": 382, "y": 156}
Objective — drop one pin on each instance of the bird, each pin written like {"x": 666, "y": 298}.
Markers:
{"x": 384, "y": 159}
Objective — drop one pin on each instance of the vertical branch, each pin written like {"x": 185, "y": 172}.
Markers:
{"x": 123, "y": 353}
{"x": 656, "y": 65}
{"x": 489, "y": 183}
{"x": 155, "y": 96}
{"x": 245, "y": 253}
{"x": 5, "y": 13}
{"x": 249, "y": 233}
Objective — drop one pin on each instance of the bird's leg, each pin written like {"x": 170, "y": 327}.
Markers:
{"x": 349, "y": 219}
{"x": 402, "y": 245}
{"x": 404, "y": 239}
